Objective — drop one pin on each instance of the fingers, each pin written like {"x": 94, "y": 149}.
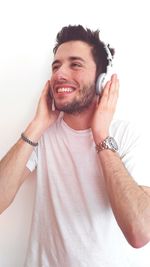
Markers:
{"x": 113, "y": 90}
{"x": 47, "y": 92}
{"x": 104, "y": 97}
{"x": 46, "y": 96}
{"x": 110, "y": 92}
{"x": 47, "y": 89}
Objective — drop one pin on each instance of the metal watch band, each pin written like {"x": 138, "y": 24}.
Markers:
{"x": 24, "y": 138}
{"x": 108, "y": 143}
{"x": 99, "y": 147}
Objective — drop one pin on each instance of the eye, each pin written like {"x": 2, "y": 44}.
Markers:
{"x": 55, "y": 68}
{"x": 76, "y": 65}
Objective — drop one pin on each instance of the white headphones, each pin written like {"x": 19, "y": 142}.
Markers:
{"x": 104, "y": 77}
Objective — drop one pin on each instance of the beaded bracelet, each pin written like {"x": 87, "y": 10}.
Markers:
{"x": 24, "y": 138}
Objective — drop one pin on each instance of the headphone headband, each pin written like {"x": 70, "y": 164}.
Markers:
{"x": 109, "y": 55}
{"x": 102, "y": 78}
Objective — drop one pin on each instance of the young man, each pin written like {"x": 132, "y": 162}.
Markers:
{"x": 89, "y": 190}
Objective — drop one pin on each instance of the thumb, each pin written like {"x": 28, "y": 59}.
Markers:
{"x": 49, "y": 96}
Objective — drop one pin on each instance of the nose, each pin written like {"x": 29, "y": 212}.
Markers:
{"x": 61, "y": 73}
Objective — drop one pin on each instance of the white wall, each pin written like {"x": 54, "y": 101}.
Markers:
{"x": 27, "y": 35}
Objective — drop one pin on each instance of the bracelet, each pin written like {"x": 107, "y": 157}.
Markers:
{"x": 24, "y": 138}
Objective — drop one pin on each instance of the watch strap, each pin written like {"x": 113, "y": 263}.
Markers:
{"x": 108, "y": 143}
{"x": 100, "y": 146}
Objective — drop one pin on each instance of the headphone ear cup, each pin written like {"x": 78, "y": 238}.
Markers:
{"x": 99, "y": 83}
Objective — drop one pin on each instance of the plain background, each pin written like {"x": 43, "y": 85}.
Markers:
{"x": 27, "y": 35}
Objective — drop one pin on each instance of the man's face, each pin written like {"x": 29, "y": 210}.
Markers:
{"x": 73, "y": 77}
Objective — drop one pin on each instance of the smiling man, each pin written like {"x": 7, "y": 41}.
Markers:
{"x": 73, "y": 61}
{"x": 91, "y": 208}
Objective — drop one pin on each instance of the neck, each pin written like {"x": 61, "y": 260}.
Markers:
{"x": 80, "y": 121}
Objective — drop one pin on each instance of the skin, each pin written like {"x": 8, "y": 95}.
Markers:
{"x": 130, "y": 202}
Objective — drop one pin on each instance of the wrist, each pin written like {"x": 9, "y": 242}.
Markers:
{"x": 34, "y": 131}
{"x": 99, "y": 137}
{"x": 109, "y": 143}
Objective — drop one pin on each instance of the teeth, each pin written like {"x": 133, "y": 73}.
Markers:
{"x": 61, "y": 90}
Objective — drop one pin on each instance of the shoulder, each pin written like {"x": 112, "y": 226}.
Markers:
{"x": 127, "y": 134}
{"x": 133, "y": 149}
{"x": 120, "y": 127}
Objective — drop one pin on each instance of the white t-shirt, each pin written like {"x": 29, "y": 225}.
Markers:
{"x": 73, "y": 224}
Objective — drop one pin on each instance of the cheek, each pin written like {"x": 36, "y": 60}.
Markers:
{"x": 51, "y": 85}
{"x": 82, "y": 78}
{"x": 87, "y": 80}
{"x": 87, "y": 76}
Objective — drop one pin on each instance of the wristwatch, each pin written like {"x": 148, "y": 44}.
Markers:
{"x": 108, "y": 143}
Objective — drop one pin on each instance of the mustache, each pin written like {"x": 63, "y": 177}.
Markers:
{"x": 71, "y": 83}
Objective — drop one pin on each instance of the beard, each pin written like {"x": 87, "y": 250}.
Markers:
{"x": 80, "y": 104}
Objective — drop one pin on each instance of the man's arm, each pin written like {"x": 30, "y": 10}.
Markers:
{"x": 13, "y": 169}
{"x": 129, "y": 201}
{"x": 146, "y": 189}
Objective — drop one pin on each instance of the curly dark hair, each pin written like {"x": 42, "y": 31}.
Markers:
{"x": 79, "y": 33}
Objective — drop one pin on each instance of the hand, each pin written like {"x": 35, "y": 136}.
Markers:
{"x": 44, "y": 115}
{"x": 105, "y": 110}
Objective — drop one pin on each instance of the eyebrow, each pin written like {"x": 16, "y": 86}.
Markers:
{"x": 72, "y": 58}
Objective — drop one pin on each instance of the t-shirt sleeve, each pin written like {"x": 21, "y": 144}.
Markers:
{"x": 32, "y": 162}
{"x": 133, "y": 151}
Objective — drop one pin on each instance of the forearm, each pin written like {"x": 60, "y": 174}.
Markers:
{"x": 13, "y": 165}
{"x": 13, "y": 169}
{"x": 129, "y": 202}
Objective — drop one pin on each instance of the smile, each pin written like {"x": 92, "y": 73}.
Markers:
{"x": 65, "y": 90}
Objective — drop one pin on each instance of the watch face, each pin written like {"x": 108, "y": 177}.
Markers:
{"x": 111, "y": 143}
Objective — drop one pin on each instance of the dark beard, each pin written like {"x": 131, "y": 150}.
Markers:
{"x": 79, "y": 105}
